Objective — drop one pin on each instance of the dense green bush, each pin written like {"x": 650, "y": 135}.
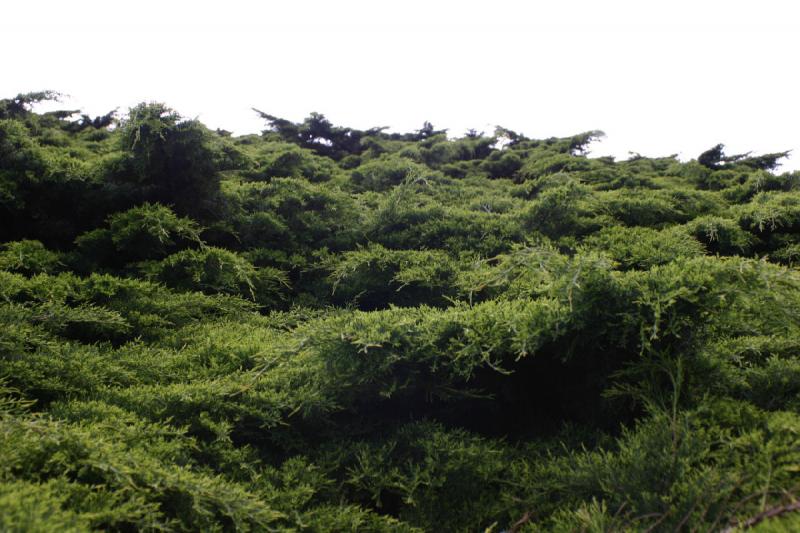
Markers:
{"x": 721, "y": 235}
{"x": 386, "y": 172}
{"x": 216, "y": 271}
{"x": 29, "y": 257}
{"x": 770, "y": 212}
{"x": 375, "y": 277}
{"x": 537, "y": 167}
{"x": 321, "y": 328}
{"x": 643, "y": 248}
{"x": 150, "y": 231}
{"x": 292, "y": 215}
{"x": 283, "y": 160}
{"x": 168, "y": 159}
{"x": 563, "y": 210}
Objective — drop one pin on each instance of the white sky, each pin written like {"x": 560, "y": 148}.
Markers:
{"x": 659, "y": 77}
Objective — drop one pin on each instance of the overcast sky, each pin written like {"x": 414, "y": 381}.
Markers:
{"x": 658, "y": 77}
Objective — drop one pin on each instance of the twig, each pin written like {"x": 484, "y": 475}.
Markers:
{"x": 769, "y": 513}
{"x": 521, "y": 522}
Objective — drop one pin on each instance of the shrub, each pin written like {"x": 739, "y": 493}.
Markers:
{"x": 29, "y": 257}
{"x": 150, "y": 231}
{"x": 294, "y": 215}
{"x": 643, "y": 248}
{"x": 658, "y": 208}
{"x": 770, "y": 212}
{"x": 539, "y": 166}
{"x": 565, "y": 210}
{"x": 721, "y": 235}
{"x": 386, "y": 172}
{"x": 376, "y": 277}
{"x": 216, "y": 271}
{"x": 502, "y": 164}
{"x": 168, "y": 160}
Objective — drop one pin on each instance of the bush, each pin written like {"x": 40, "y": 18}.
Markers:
{"x": 387, "y": 172}
{"x": 475, "y": 338}
{"x": 293, "y": 215}
{"x": 770, "y": 212}
{"x": 150, "y": 231}
{"x": 286, "y": 160}
{"x": 539, "y": 166}
{"x": 658, "y": 208}
{"x": 405, "y": 220}
{"x": 29, "y": 257}
{"x": 564, "y": 210}
{"x": 168, "y": 160}
{"x": 502, "y": 164}
{"x": 721, "y": 235}
{"x": 642, "y": 248}
{"x": 375, "y": 277}
{"x": 217, "y": 271}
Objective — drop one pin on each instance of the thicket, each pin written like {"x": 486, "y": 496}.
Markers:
{"x": 327, "y": 329}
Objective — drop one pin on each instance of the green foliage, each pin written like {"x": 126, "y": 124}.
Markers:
{"x": 375, "y": 277}
{"x": 643, "y": 248}
{"x": 563, "y": 210}
{"x": 292, "y": 215}
{"x": 502, "y": 164}
{"x": 386, "y": 172}
{"x": 37, "y": 508}
{"x": 150, "y": 231}
{"x": 538, "y": 167}
{"x": 168, "y": 160}
{"x": 328, "y": 329}
{"x": 289, "y": 161}
{"x": 721, "y": 235}
{"x": 407, "y": 218}
{"x": 216, "y": 271}
{"x": 28, "y": 257}
{"x": 659, "y": 208}
{"x": 770, "y": 212}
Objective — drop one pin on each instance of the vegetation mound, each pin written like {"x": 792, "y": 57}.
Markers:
{"x": 327, "y": 329}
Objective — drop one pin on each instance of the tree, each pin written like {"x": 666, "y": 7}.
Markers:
{"x": 715, "y": 158}
{"x": 20, "y": 105}
{"x": 317, "y": 133}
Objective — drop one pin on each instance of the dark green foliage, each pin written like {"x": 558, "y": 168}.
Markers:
{"x": 658, "y": 208}
{"x": 292, "y": 215}
{"x": 318, "y": 134}
{"x": 285, "y": 160}
{"x": 721, "y": 235}
{"x": 329, "y": 329}
{"x": 502, "y": 165}
{"x": 168, "y": 160}
{"x": 770, "y": 212}
{"x": 715, "y": 158}
{"x": 538, "y": 167}
{"x": 38, "y": 184}
{"x": 150, "y": 231}
{"x": 20, "y": 105}
{"x": 407, "y": 217}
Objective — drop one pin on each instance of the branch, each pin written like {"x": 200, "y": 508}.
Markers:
{"x": 769, "y": 513}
